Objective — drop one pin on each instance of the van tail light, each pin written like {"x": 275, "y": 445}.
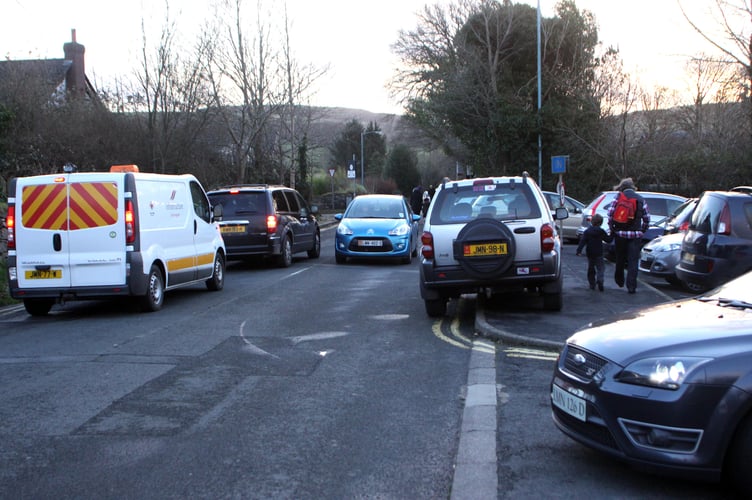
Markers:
{"x": 10, "y": 224}
{"x": 548, "y": 238}
{"x": 427, "y": 250}
{"x": 271, "y": 224}
{"x": 724, "y": 221}
{"x": 130, "y": 222}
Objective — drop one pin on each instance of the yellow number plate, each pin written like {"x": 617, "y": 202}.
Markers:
{"x": 44, "y": 275}
{"x": 484, "y": 249}
{"x": 232, "y": 229}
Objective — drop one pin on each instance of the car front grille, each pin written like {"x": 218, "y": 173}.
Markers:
{"x": 356, "y": 246}
{"x": 581, "y": 363}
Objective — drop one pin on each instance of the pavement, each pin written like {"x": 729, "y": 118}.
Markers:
{"x": 499, "y": 321}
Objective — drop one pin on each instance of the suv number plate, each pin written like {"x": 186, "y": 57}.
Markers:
{"x": 232, "y": 229}
{"x": 484, "y": 249}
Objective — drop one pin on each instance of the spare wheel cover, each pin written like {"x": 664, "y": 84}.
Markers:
{"x": 485, "y": 230}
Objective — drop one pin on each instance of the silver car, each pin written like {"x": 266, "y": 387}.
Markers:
{"x": 571, "y": 224}
{"x": 494, "y": 235}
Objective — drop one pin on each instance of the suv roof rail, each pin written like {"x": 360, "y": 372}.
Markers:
{"x": 231, "y": 186}
{"x": 742, "y": 189}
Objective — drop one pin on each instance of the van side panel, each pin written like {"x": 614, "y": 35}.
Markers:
{"x": 166, "y": 227}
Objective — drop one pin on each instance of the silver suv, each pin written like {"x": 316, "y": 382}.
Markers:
{"x": 494, "y": 235}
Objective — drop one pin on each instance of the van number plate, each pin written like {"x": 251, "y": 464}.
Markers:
{"x": 44, "y": 275}
{"x": 484, "y": 249}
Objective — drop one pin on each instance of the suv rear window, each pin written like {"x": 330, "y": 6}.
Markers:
{"x": 499, "y": 201}
{"x": 240, "y": 204}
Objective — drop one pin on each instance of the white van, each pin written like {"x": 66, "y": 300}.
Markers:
{"x": 74, "y": 236}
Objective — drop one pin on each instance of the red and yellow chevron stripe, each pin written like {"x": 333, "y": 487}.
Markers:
{"x": 90, "y": 204}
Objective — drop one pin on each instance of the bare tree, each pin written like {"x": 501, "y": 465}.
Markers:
{"x": 172, "y": 90}
{"x": 734, "y": 41}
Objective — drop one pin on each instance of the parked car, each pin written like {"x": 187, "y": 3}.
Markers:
{"x": 261, "y": 220}
{"x": 660, "y": 206}
{"x": 678, "y": 221}
{"x": 668, "y": 388}
{"x": 574, "y": 207}
{"x": 717, "y": 246}
{"x": 659, "y": 258}
{"x": 493, "y": 234}
{"x": 377, "y": 226}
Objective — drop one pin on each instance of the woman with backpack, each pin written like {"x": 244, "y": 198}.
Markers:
{"x": 628, "y": 218}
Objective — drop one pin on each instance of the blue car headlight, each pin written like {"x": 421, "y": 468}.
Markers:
{"x": 664, "y": 373}
{"x": 343, "y": 229}
{"x": 400, "y": 230}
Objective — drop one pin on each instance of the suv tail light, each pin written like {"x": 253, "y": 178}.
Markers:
{"x": 271, "y": 224}
{"x": 724, "y": 221}
{"x": 10, "y": 223}
{"x": 130, "y": 222}
{"x": 547, "y": 238}
{"x": 683, "y": 226}
{"x": 427, "y": 250}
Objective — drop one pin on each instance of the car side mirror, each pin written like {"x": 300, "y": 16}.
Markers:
{"x": 315, "y": 209}
{"x": 561, "y": 213}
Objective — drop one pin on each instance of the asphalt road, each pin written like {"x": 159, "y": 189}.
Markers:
{"x": 316, "y": 381}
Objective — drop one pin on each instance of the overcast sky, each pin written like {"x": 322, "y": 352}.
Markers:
{"x": 353, "y": 37}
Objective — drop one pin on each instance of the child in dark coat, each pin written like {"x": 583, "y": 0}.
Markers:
{"x": 592, "y": 240}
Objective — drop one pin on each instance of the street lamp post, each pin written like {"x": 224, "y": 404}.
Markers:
{"x": 362, "y": 156}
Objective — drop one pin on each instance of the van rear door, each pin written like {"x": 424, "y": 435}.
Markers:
{"x": 69, "y": 231}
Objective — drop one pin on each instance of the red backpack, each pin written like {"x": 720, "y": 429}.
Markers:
{"x": 624, "y": 211}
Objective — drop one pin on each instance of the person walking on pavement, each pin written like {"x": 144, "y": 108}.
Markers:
{"x": 628, "y": 235}
{"x": 416, "y": 199}
{"x": 592, "y": 240}
{"x": 426, "y": 201}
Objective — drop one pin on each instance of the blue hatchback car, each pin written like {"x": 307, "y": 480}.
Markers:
{"x": 376, "y": 226}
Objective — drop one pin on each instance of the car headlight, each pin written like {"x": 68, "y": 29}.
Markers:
{"x": 666, "y": 247}
{"x": 401, "y": 230}
{"x": 344, "y": 229}
{"x": 664, "y": 373}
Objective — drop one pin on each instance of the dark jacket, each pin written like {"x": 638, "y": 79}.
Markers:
{"x": 592, "y": 240}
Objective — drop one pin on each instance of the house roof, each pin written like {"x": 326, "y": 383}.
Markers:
{"x": 63, "y": 77}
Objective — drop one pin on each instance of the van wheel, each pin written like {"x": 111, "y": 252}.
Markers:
{"x": 38, "y": 307}
{"x": 314, "y": 252}
{"x": 154, "y": 297}
{"x": 284, "y": 259}
{"x": 217, "y": 281}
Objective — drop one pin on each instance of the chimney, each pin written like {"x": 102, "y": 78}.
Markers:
{"x": 75, "y": 78}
